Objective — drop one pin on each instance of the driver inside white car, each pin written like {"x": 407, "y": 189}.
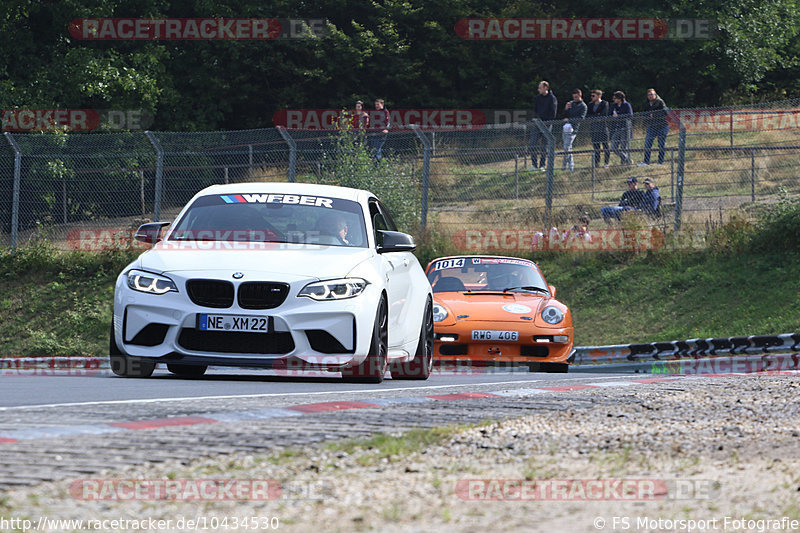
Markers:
{"x": 333, "y": 225}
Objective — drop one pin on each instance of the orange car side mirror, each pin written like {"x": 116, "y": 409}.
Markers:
{"x": 552, "y": 290}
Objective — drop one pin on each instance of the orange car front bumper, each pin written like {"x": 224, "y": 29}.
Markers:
{"x": 454, "y": 343}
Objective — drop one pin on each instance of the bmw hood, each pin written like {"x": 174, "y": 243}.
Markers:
{"x": 290, "y": 260}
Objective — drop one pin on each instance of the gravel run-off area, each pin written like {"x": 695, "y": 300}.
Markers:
{"x": 704, "y": 454}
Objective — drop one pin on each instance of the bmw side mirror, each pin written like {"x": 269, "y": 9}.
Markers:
{"x": 395, "y": 241}
{"x": 552, "y": 290}
{"x": 150, "y": 233}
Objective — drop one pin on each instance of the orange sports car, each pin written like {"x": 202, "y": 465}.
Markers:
{"x": 498, "y": 309}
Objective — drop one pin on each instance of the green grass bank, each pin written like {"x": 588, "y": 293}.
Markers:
{"x": 59, "y": 303}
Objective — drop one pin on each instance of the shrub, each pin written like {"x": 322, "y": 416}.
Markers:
{"x": 778, "y": 228}
{"x": 351, "y": 164}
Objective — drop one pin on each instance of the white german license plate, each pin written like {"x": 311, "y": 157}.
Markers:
{"x": 494, "y": 335}
{"x": 237, "y": 323}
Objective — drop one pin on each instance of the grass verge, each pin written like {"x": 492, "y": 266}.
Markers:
{"x": 59, "y": 303}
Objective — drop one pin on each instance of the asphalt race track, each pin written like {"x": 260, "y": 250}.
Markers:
{"x": 59, "y": 426}
{"x": 44, "y": 387}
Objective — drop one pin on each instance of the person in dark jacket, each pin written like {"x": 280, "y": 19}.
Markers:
{"x": 652, "y": 198}
{"x": 381, "y": 123}
{"x": 597, "y": 112}
{"x": 544, "y": 108}
{"x": 575, "y": 112}
{"x": 657, "y": 127}
{"x": 620, "y": 127}
{"x": 632, "y": 199}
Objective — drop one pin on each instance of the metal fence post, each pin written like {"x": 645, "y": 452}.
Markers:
{"x": 426, "y": 176}
{"x": 292, "y": 152}
{"x": 516, "y": 177}
{"x": 551, "y": 154}
{"x": 15, "y": 193}
{"x": 159, "y": 175}
{"x": 672, "y": 173}
{"x": 141, "y": 190}
{"x": 753, "y": 176}
{"x": 680, "y": 176}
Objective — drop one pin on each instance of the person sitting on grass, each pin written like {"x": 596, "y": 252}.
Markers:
{"x": 652, "y": 198}
{"x": 631, "y": 200}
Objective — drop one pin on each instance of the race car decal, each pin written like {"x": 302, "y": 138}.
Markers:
{"x": 499, "y": 260}
{"x": 517, "y": 308}
{"x": 448, "y": 263}
{"x": 316, "y": 201}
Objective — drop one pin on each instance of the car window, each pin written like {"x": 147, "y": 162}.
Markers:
{"x": 379, "y": 221}
{"x": 273, "y": 218}
{"x": 485, "y": 274}
{"x": 387, "y": 217}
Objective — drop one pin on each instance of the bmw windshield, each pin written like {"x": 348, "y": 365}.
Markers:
{"x": 280, "y": 218}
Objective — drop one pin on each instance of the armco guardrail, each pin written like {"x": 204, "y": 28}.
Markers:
{"x": 582, "y": 355}
{"x": 691, "y": 348}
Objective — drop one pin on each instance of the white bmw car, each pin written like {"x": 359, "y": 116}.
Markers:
{"x": 275, "y": 275}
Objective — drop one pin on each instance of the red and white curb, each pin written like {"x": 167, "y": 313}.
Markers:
{"x": 13, "y": 436}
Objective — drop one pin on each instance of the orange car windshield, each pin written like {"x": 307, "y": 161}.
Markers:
{"x": 485, "y": 274}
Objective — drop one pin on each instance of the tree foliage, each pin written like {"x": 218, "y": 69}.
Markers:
{"x": 405, "y": 51}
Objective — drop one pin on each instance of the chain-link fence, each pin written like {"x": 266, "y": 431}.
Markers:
{"x": 708, "y": 165}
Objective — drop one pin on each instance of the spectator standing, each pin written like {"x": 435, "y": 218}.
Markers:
{"x": 620, "y": 127}
{"x": 381, "y": 124}
{"x": 657, "y": 127}
{"x": 598, "y": 111}
{"x": 360, "y": 117}
{"x": 631, "y": 200}
{"x": 575, "y": 112}
{"x": 652, "y": 198}
{"x": 545, "y": 106}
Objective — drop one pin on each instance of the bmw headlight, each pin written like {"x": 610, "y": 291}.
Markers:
{"x": 141, "y": 281}
{"x": 334, "y": 289}
{"x": 552, "y": 315}
{"x": 439, "y": 313}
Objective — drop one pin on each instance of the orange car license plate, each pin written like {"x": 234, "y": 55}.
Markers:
{"x": 494, "y": 335}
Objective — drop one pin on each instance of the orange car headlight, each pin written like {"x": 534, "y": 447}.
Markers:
{"x": 552, "y": 315}
{"x": 439, "y": 313}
